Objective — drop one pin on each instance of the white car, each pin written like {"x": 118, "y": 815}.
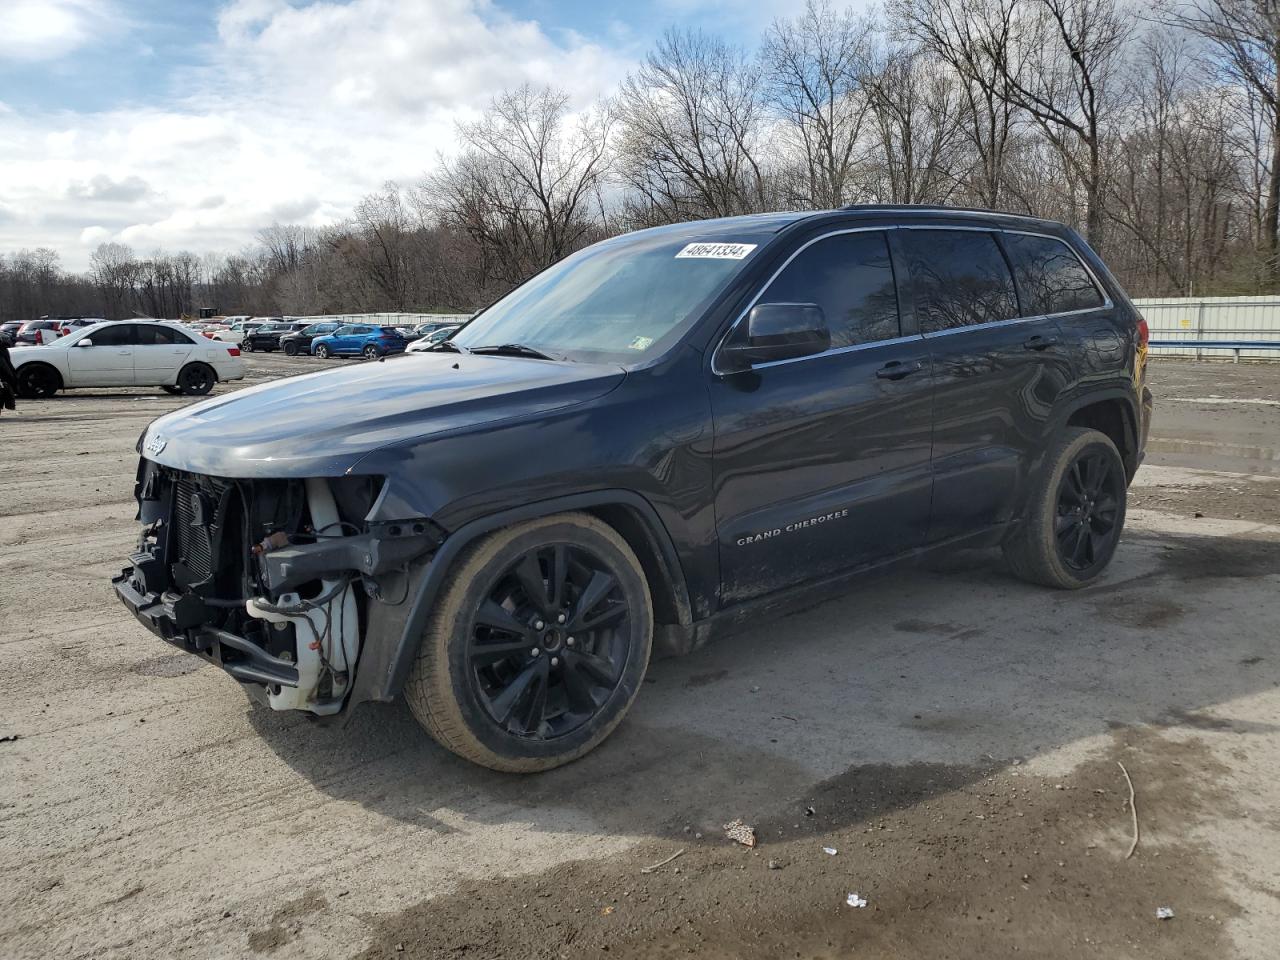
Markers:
{"x": 127, "y": 353}
{"x": 236, "y": 331}
{"x": 432, "y": 338}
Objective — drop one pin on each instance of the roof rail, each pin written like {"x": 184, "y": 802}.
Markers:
{"x": 937, "y": 208}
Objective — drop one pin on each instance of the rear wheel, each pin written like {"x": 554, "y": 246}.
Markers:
{"x": 323, "y": 352}
{"x": 247, "y": 345}
{"x": 537, "y": 647}
{"x": 196, "y": 379}
{"x": 290, "y": 349}
{"x": 371, "y": 352}
{"x": 38, "y": 381}
{"x": 1075, "y": 518}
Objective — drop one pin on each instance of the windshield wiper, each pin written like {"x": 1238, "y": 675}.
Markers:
{"x": 515, "y": 350}
{"x": 448, "y": 345}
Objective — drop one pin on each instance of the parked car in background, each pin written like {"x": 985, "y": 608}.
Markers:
{"x": 38, "y": 332}
{"x": 295, "y": 343}
{"x": 127, "y": 353}
{"x": 359, "y": 339}
{"x": 428, "y": 328}
{"x": 235, "y": 332}
{"x": 9, "y": 332}
{"x": 267, "y": 337}
{"x": 436, "y": 336}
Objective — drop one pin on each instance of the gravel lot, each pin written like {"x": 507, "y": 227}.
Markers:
{"x": 955, "y": 735}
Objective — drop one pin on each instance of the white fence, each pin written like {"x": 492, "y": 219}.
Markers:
{"x": 384, "y": 319}
{"x": 1213, "y": 318}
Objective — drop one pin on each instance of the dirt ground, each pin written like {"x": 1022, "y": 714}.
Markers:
{"x": 954, "y": 735}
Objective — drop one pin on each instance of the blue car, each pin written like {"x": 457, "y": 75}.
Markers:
{"x": 357, "y": 339}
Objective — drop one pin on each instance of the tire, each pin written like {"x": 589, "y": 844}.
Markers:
{"x": 323, "y": 351}
{"x": 371, "y": 352}
{"x": 38, "y": 381}
{"x": 576, "y": 689}
{"x": 247, "y": 345}
{"x": 1074, "y": 519}
{"x": 290, "y": 349}
{"x": 196, "y": 379}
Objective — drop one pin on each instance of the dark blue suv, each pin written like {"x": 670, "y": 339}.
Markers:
{"x": 357, "y": 339}
{"x": 664, "y": 434}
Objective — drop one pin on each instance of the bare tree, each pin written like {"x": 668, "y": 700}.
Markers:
{"x": 1244, "y": 36}
{"x": 528, "y": 185}
{"x": 812, "y": 65}
{"x": 963, "y": 36}
{"x": 917, "y": 114}
{"x": 692, "y": 132}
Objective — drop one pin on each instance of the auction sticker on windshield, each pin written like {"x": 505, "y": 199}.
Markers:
{"x": 716, "y": 251}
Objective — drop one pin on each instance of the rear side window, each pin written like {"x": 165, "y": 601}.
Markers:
{"x": 850, "y": 276}
{"x": 1051, "y": 278}
{"x": 159, "y": 336}
{"x": 960, "y": 279}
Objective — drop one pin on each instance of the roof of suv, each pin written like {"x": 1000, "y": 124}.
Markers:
{"x": 776, "y": 222}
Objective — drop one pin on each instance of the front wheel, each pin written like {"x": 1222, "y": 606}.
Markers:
{"x": 1074, "y": 520}
{"x": 36, "y": 381}
{"x": 247, "y": 345}
{"x": 323, "y": 352}
{"x": 196, "y": 380}
{"x": 537, "y": 647}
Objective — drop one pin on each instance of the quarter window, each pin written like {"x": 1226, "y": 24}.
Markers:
{"x": 850, "y": 276}
{"x": 960, "y": 279}
{"x": 1051, "y": 278}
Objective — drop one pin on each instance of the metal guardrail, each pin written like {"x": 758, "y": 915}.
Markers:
{"x": 1235, "y": 346}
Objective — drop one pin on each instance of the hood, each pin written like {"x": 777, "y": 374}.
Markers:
{"x": 323, "y": 423}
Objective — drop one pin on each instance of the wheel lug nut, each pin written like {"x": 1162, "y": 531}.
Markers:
{"x": 534, "y": 652}
{"x": 538, "y": 624}
{"x": 560, "y": 619}
{"x": 555, "y": 661}
{"x": 569, "y": 642}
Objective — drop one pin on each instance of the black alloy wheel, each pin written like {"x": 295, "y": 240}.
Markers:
{"x": 548, "y": 643}
{"x": 196, "y": 379}
{"x": 536, "y": 645}
{"x": 1088, "y": 510}
{"x": 290, "y": 349}
{"x": 37, "y": 381}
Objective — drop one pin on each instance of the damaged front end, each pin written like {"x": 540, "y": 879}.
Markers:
{"x": 271, "y": 579}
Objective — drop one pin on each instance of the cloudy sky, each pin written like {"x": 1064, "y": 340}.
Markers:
{"x": 191, "y": 123}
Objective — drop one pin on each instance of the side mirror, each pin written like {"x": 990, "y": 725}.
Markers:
{"x": 776, "y": 331}
{"x": 84, "y": 342}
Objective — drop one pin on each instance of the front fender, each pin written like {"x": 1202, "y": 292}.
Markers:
{"x": 393, "y": 633}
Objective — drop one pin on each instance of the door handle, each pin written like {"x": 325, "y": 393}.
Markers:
{"x": 1040, "y": 343}
{"x": 897, "y": 369}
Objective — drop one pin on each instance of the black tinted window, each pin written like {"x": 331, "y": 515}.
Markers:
{"x": 1051, "y": 278}
{"x": 960, "y": 278}
{"x": 850, "y": 277}
{"x": 115, "y": 335}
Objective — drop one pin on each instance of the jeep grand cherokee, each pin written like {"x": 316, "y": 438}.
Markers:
{"x": 661, "y": 432}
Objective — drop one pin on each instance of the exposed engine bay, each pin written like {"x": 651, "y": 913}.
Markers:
{"x": 270, "y": 579}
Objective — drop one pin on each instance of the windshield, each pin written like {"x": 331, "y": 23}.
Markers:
{"x": 617, "y": 301}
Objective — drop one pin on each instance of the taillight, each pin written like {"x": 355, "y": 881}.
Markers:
{"x": 1144, "y": 332}
{"x": 233, "y": 351}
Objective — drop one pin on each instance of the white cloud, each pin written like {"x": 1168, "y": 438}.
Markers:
{"x": 299, "y": 112}
{"x": 35, "y": 30}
